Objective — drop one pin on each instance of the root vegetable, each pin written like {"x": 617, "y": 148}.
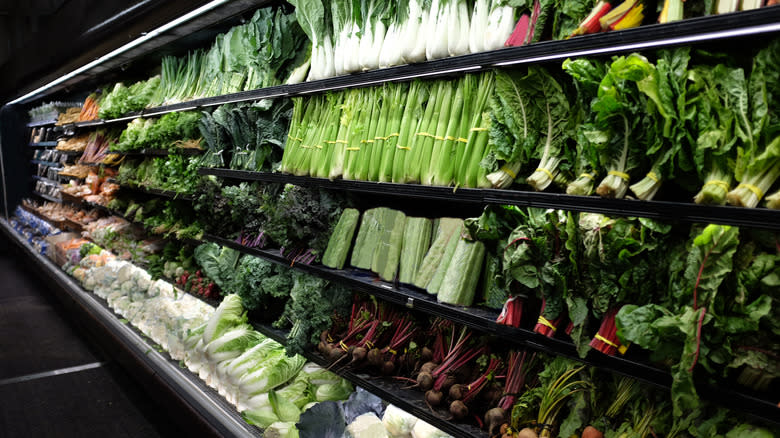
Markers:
{"x": 434, "y": 398}
{"x": 428, "y": 367}
{"x": 449, "y": 381}
{"x": 359, "y": 355}
{"x": 425, "y": 380}
{"x": 527, "y": 433}
{"x": 375, "y": 358}
{"x": 458, "y": 409}
{"x": 494, "y": 419}
{"x": 426, "y": 354}
{"x": 457, "y": 391}
{"x": 388, "y": 368}
{"x": 592, "y": 432}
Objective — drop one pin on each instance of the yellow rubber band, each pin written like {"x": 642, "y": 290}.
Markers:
{"x": 295, "y": 138}
{"x": 606, "y": 341}
{"x": 543, "y": 321}
{"x": 391, "y": 351}
{"x": 623, "y": 348}
{"x": 362, "y": 141}
{"x": 589, "y": 176}
{"x": 331, "y": 142}
{"x": 756, "y": 191}
{"x": 369, "y": 344}
{"x": 406, "y": 148}
{"x": 508, "y": 171}
{"x": 343, "y": 346}
{"x": 450, "y": 138}
{"x": 436, "y": 137}
{"x": 342, "y": 142}
{"x": 653, "y": 176}
{"x": 352, "y": 149}
{"x": 624, "y": 176}
{"x": 380, "y": 138}
{"x": 547, "y": 172}
{"x": 395, "y": 134}
{"x": 462, "y": 140}
{"x": 722, "y": 184}
{"x": 369, "y": 141}
{"x": 330, "y": 340}
{"x": 424, "y": 134}
{"x": 318, "y": 147}
{"x": 477, "y": 129}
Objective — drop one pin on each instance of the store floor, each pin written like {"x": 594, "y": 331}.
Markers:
{"x": 53, "y": 382}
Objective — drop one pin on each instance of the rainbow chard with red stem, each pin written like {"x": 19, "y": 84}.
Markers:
{"x": 695, "y": 280}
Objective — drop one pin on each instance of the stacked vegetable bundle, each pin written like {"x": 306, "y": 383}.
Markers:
{"x": 435, "y": 255}
{"x": 351, "y": 35}
{"x": 166, "y": 218}
{"x": 423, "y": 132}
{"x": 263, "y": 52}
{"x": 170, "y": 132}
{"x": 630, "y": 120}
{"x": 246, "y": 136}
{"x": 175, "y": 173}
{"x": 297, "y": 220}
{"x": 518, "y": 393}
{"x": 122, "y": 99}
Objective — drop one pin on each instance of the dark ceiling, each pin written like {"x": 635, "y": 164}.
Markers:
{"x": 41, "y": 40}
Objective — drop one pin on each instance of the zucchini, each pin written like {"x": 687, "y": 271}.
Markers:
{"x": 417, "y": 241}
{"x": 460, "y": 282}
{"x": 338, "y": 246}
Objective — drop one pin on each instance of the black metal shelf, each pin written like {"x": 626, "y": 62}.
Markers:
{"x": 46, "y": 163}
{"x": 652, "y": 36}
{"x": 676, "y": 211}
{"x": 43, "y": 123}
{"x": 409, "y": 400}
{"x": 43, "y": 178}
{"x": 47, "y": 197}
{"x": 483, "y": 320}
{"x": 213, "y": 414}
{"x": 43, "y": 144}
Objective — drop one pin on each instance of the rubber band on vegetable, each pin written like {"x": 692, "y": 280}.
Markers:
{"x": 622, "y": 175}
{"x": 477, "y": 129}
{"x": 343, "y": 346}
{"x": 342, "y": 141}
{"x": 352, "y": 149}
{"x": 546, "y": 172}
{"x": 406, "y": 148}
{"x": 369, "y": 344}
{"x": 606, "y": 341}
{"x": 544, "y": 321}
{"x": 589, "y": 176}
{"x": 756, "y": 191}
{"x": 462, "y": 140}
{"x": 423, "y": 134}
{"x": 716, "y": 182}
{"x": 653, "y": 176}
{"x": 395, "y": 134}
{"x": 623, "y": 348}
{"x": 391, "y": 351}
{"x": 508, "y": 171}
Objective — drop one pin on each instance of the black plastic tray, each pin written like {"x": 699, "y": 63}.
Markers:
{"x": 675, "y": 211}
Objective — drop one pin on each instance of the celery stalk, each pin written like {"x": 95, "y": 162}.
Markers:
{"x": 439, "y": 123}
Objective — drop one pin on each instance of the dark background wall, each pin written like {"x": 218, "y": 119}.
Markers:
{"x": 41, "y": 40}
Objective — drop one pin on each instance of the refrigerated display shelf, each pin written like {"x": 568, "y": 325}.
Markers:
{"x": 43, "y": 178}
{"x": 410, "y": 400}
{"x": 46, "y": 163}
{"x": 653, "y": 36}
{"x": 204, "y": 401}
{"x": 484, "y": 320}
{"x": 41, "y": 123}
{"x": 763, "y": 218}
{"x": 47, "y": 197}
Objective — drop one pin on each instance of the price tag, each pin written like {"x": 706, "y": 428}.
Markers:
{"x": 410, "y": 302}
